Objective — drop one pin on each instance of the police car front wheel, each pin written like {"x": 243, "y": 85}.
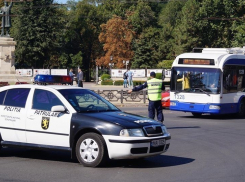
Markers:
{"x": 91, "y": 150}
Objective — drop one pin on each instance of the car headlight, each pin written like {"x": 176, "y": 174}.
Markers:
{"x": 132, "y": 133}
{"x": 164, "y": 129}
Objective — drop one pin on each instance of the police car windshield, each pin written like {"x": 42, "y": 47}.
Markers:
{"x": 83, "y": 100}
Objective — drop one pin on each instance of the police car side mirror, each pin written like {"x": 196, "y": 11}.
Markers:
{"x": 58, "y": 108}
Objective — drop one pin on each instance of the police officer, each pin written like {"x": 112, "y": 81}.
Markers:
{"x": 155, "y": 87}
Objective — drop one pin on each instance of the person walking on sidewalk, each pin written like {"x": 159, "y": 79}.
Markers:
{"x": 154, "y": 87}
{"x": 71, "y": 75}
{"x": 130, "y": 75}
{"x": 80, "y": 78}
{"x": 125, "y": 78}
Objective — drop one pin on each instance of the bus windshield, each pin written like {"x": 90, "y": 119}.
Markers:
{"x": 195, "y": 80}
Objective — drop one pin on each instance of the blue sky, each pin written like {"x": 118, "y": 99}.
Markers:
{"x": 61, "y": 1}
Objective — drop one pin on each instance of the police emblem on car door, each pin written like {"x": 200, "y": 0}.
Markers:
{"x": 45, "y": 123}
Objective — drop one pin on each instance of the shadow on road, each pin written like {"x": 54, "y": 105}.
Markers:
{"x": 185, "y": 127}
{"x": 207, "y": 116}
{"x": 61, "y": 156}
{"x": 151, "y": 162}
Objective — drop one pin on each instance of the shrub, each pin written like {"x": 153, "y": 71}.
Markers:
{"x": 118, "y": 82}
{"x": 159, "y": 76}
{"x": 138, "y": 82}
{"x": 107, "y": 82}
{"x": 105, "y": 77}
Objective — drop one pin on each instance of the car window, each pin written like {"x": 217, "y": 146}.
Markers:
{"x": 87, "y": 101}
{"x": 45, "y": 100}
{"x": 2, "y": 96}
{"x": 16, "y": 97}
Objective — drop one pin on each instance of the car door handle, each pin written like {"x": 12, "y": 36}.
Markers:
{"x": 31, "y": 117}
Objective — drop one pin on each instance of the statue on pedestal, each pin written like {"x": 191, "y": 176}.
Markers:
{"x": 6, "y": 19}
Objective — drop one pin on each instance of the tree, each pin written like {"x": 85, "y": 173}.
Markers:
{"x": 116, "y": 35}
{"x": 187, "y": 33}
{"x": 168, "y": 20}
{"x": 141, "y": 16}
{"x": 238, "y": 26}
{"x": 36, "y": 30}
{"x": 146, "y": 49}
{"x": 216, "y": 20}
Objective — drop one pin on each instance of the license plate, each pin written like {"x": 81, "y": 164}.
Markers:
{"x": 156, "y": 143}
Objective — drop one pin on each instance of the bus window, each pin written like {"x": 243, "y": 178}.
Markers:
{"x": 233, "y": 79}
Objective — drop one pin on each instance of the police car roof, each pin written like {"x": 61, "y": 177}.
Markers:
{"x": 56, "y": 87}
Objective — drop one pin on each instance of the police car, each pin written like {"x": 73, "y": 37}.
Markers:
{"x": 59, "y": 117}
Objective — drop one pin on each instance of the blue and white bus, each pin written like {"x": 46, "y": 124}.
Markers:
{"x": 211, "y": 81}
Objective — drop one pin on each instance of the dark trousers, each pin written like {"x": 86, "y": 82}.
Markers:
{"x": 80, "y": 83}
{"x": 155, "y": 106}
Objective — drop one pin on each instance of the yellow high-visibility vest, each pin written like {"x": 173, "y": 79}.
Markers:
{"x": 154, "y": 89}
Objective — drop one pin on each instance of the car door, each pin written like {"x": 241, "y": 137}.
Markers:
{"x": 43, "y": 126}
{"x": 13, "y": 114}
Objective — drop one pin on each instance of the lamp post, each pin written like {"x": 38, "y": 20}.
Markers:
{"x": 126, "y": 63}
{"x": 111, "y": 64}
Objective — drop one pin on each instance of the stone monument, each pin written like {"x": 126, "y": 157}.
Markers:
{"x": 7, "y": 46}
{"x": 7, "y": 61}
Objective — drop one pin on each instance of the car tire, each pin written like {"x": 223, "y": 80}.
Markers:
{"x": 0, "y": 142}
{"x": 241, "y": 109}
{"x": 196, "y": 114}
{"x": 91, "y": 150}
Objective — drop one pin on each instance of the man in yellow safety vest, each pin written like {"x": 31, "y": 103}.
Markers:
{"x": 154, "y": 87}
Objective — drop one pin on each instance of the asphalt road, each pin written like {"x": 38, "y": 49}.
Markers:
{"x": 208, "y": 149}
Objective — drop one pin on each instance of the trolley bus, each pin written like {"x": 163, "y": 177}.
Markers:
{"x": 211, "y": 81}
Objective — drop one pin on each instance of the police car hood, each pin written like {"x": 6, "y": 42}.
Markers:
{"x": 122, "y": 118}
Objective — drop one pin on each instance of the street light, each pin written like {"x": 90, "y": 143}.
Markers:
{"x": 126, "y": 63}
{"x": 111, "y": 64}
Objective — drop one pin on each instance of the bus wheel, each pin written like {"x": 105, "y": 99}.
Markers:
{"x": 241, "y": 109}
{"x": 196, "y": 114}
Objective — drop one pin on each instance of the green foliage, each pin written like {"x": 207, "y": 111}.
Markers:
{"x": 37, "y": 32}
{"x": 105, "y": 77}
{"x": 76, "y": 59}
{"x": 146, "y": 49}
{"x": 107, "y": 82}
{"x": 49, "y": 36}
{"x": 118, "y": 82}
{"x": 167, "y": 64}
{"x": 138, "y": 82}
{"x": 159, "y": 76}
{"x": 141, "y": 17}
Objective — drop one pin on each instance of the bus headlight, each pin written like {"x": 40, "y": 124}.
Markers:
{"x": 214, "y": 107}
{"x": 131, "y": 133}
{"x": 173, "y": 103}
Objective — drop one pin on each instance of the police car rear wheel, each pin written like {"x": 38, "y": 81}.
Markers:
{"x": 91, "y": 150}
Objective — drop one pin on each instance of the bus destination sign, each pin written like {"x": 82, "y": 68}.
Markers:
{"x": 196, "y": 61}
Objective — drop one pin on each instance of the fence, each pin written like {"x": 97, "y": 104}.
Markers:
{"x": 121, "y": 96}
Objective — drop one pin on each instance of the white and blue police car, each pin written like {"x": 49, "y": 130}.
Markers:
{"x": 59, "y": 117}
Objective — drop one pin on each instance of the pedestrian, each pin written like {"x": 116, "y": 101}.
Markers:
{"x": 154, "y": 87}
{"x": 71, "y": 75}
{"x": 130, "y": 75}
{"x": 80, "y": 78}
{"x": 125, "y": 79}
